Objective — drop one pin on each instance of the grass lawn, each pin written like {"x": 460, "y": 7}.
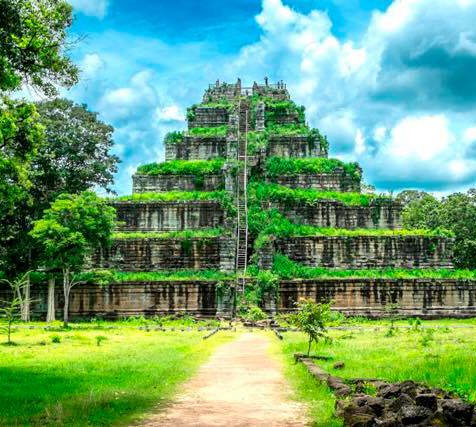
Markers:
{"x": 316, "y": 395}
{"x": 76, "y": 382}
{"x": 438, "y": 353}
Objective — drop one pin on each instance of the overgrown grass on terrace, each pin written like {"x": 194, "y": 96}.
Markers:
{"x": 76, "y": 382}
{"x": 209, "y": 132}
{"x": 297, "y": 196}
{"x": 288, "y": 269}
{"x": 172, "y": 196}
{"x": 156, "y": 276}
{"x": 186, "y": 234}
{"x": 278, "y": 166}
{"x": 182, "y": 167}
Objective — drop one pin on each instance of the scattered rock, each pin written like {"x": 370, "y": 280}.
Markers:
{"x": 429, "y": 401}
{"x": 412, "y": 414}
{"x": 457, "y": 412}
{"x": 339, "y": 365}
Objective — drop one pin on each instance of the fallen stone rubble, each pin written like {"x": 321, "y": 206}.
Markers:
{"x": 371, "y": 402}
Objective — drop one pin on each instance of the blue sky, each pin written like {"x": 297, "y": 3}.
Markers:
{"x": 391, "y": 83}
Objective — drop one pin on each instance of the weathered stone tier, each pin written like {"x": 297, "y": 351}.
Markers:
{"x": 197, "y": 148}
{"x": 425, "y": 298}
{"x": 163, "y": 183}
{"x": 209, "y": 117}
{"x": 369, "y": 297}
{"x": 156, "y": 254}
{"x": 362, "y": 251}
{"x": 169, "y": 215}
{"x": 335, "y": 214}
{"x": 294, "y": 146}
{"x": 335, "y": 181}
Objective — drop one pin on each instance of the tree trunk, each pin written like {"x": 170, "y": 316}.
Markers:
{"x": 50, "y": 315}
{"x": 66, "y": 289}
{"x": 25, "y": 307}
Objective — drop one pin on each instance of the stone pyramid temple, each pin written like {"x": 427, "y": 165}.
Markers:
{"x": 248, "y": 189}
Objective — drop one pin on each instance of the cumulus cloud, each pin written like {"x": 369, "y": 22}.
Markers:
{"x": 97, "y": 8}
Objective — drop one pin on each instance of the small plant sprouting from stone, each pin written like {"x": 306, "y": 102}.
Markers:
{"x": 100, "y": 339}
{"x": 55, "y": 339}
{"x": 311, "y": 318}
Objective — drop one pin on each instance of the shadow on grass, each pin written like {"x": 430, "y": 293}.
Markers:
{"x": 43, "y": 398}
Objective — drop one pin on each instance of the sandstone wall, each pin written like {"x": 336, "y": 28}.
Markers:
{"x": 153, "y": 254}
{"x": 161, "y": 183}
{"x": 168, "y": 216}
{"x": 197, "y": 148}
{"x": 362, "y": 251}
{"x": 209, "y": 117}
{"x": 368, "y": 297}
{"x": 335, "y": 214}
{"x": 294, "y": 146}
{"x": 336, "y": 181}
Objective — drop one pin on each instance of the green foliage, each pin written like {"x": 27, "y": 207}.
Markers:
{"x": 253, "y": 314}
{"x": 278, "y": 166}
{"x": 100, "y": 339}
{"x": 55, "y": 339}
{"x": 209, "y": 132}
{"x": 224, "y": 197}
{"x": 77, "y": 138}
{"x": 291, "y": 129}
{"x": 159, "y": 276}
{"x": 11, "y": 310}
{"x": 291, "y": 197}
{"x": 191, "y": 112}
{"x": 180, "y": 235}
{"x": 183, "y": 167}
{"x": 285, "y": 268}
{"x": 72, "y": 227}
{"x": 172, "y": 138}
{"x": 277, "y": 109}
{"x": 311, "y": 319}
{"x": 457, "y": 212}
{"x": 33, "y": 42}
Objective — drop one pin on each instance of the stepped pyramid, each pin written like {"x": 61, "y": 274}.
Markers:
{"x": 249, "y": 156}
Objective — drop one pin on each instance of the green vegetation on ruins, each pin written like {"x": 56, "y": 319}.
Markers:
{"x": 179, "y": 235}
{"x": 183, "y": 167}
{"x": 291, "y": 197}
{"x": 172, "y": 196}
{"x": 285, "y": 268}
{"x": 209, "y": 132}
{"x": 279, "y": 166}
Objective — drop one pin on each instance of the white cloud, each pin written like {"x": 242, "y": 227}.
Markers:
{"x": 170, "y": 113}
{"x": 91, "y": 64}
{"x": 97, "y": 8}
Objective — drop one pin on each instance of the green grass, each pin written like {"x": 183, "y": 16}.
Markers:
{"x": 182, "y": 167}
{"x": 186, "y": 234}
{"x": 446, "y": 360}
{"x": 75, "y": 382}
{"x": 294, "y": 196}
{"x": 318, "y": 398}
{"x": 288, "y": 269}
{"x": 209, "y": 132}
{"x": 173, "y": 196}
{"x": 175, "y": 137}
{"x": 156, "y": 276}
{"x": 278, "y": 166}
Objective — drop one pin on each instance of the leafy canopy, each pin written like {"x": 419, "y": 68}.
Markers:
{"x": 33, "y": 45}
{"x": 72, "y": 227}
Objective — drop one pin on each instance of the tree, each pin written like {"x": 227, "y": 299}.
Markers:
{"x": 33, "y": 42}
{"x": 311, "y": 318}
{"x": 77, "y": 154}
{"x": 13, "y": 308}
{"x": 422, "y": 212}
{"x": 407, "y": 196}
{"x": 70, "y": 230}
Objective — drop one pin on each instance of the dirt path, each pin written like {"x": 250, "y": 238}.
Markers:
{"x": 241, "y": 385}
